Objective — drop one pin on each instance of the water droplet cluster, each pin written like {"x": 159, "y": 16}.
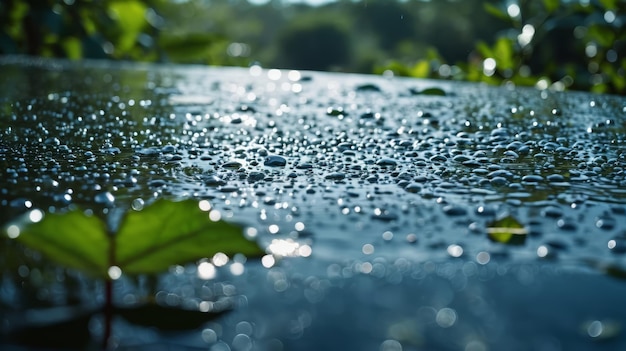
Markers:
{"x": 362, "y": 191}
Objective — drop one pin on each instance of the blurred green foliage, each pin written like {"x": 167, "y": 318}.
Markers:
{"x": 115, "y": 29}
{"x": 559, "y": 44}
{"x": 549, "y": 44}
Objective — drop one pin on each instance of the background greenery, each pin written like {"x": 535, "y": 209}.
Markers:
{"x": 559, "y": 44}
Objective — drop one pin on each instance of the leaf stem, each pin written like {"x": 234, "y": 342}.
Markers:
{"x": 108, "y": 312}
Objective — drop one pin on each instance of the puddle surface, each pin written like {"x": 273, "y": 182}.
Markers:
{"x": 375, "y": 198}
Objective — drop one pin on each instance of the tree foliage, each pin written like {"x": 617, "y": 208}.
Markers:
{"x": 549, "y": 43}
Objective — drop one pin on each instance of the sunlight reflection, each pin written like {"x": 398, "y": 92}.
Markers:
{"x": 114, "y": 272}
{"x": 219, "y": 259}
{"x": 237, "y": 268}
{"x": 446, "y": 317}
{"x": 513, "y": 10}
{"x": 35, "y": 216}
{"x": 268, "y": 261}
{"x": 206, "y": 271}
{"x": 289, "y": 248}
{"x": 13, "y": 231}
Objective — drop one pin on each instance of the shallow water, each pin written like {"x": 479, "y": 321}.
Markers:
{"x": 374, "y": 199}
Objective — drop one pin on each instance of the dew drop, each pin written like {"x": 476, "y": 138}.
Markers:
{"x": 137, "y": 204}
{"x": 275, "y": 161}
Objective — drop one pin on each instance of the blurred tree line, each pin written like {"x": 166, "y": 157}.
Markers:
{"x": 560, "y": 44}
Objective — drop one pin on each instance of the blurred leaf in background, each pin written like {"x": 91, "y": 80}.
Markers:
{"x": 549, "y": 44}
{"x": 556, "y": 44}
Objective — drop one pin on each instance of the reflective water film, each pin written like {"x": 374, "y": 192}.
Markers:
{"x": 394, "y": 214}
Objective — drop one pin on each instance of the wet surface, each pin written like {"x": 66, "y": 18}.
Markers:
{"x": 375, "y": 197}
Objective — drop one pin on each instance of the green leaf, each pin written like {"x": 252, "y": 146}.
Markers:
{"x": 148, "y": 241}
{"x": 73, "y": 48}
{"x": 496, "y": 12}
{"x": 503, "y": 50}
{"x": 167, "y": 233}
{"x": 131, "y": 19}
{"x": 507, "y": 230}
{"x": 73, "y": 239}
{"x": 421, "y": 69}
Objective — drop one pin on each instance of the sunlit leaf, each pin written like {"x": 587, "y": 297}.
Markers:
{"x": 168, "y": 233}
{"x": 148, "y": 241}
{"x": 131, "y": 19}
{"x": 421, "y": 69}
{"x": 73, "y": 48}
{"x": 495, "y": 11}
{"x": 72, "y": 239}
{"x": 503, "y": 51}
{"x": 507, "y": 230}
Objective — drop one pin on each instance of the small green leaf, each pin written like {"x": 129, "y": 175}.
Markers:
{"x": 148, "y": 241}
{"x": 507, "y": 230}
{"x": 495, "y": 11}
{"x": 421, "y": 69}
{"x": 73, "y": 48}
{"x": 503, "y": 51}
{"x": 167, "y": 233}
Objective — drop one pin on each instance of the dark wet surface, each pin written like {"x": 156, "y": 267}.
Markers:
{"x": 374, "y": 196}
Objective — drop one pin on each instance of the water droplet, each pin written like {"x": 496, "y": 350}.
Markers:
{"x": 105, "y": 198}
{"x": 552, "y": 212}
{"x": 455, "y": 250}
{"x": 567, "y": 224}
{"x": 255, "y": 176}
{"x": 446, "y": 317}
{"x": 234, "y": 165}
{"x": 532, "y": 178}
{"x": 386, "y": 162}
{"x": 275, "y": 161}
{"x": 241, "y": 342}
{"x": 137, "y": 204}
{"x": 335, "y": 176}
{"x": 454, "y": 210}
{"x": 212, "y": 180}
{"x": 605, "y": 222}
